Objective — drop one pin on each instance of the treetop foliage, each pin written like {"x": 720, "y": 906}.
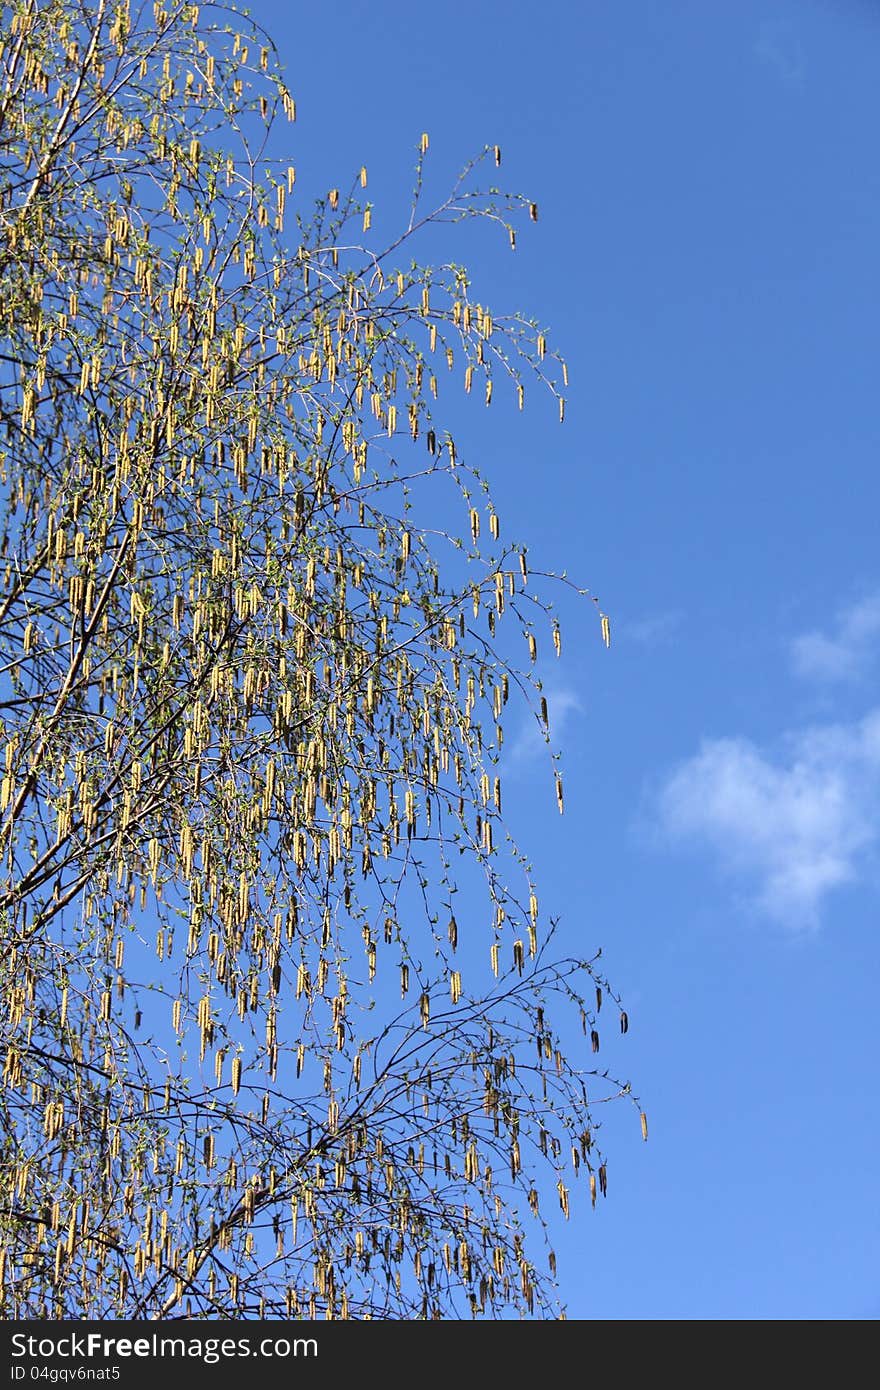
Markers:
{"x": 257, "y": 1060}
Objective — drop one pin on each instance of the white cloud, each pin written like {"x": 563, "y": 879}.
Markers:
{"x": 529, "y": 742}
{"x": 793, "y": 827}
{"x": 656, "y": 630}
{"x": 848, "y": 653}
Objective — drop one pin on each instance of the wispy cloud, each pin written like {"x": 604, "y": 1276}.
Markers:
{"x": 655, "y": 630}
{"x": 791, "y": 827}
{"x": 778, "y": 48}
{"x": 563, "y": 703}
{"x": 847, "y": 653}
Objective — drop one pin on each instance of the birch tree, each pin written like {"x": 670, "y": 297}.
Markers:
{"x": 284, "y": 1030}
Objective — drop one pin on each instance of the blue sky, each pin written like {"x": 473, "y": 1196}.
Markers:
{"x": 707, "y": 260}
